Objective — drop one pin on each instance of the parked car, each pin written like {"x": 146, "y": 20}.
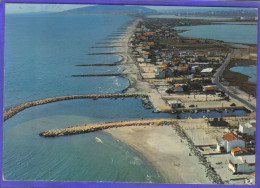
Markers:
{"x": 192, "y": 105}
{"x": 233, "y": 104}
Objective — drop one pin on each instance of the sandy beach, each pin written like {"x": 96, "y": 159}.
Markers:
{"x": 168, "y": 153}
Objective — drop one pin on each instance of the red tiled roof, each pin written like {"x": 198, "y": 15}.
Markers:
{"x": 163, "y": 68}
{"x": 229, "y": 137}
{"x": 176, "y": 86}
{"x": 238, "y": 149}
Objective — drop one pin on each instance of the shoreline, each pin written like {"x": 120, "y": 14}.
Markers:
{"x": 169, "y": 154}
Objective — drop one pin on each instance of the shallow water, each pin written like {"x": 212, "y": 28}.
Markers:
{"x": 249, "y": 71}
{"x": 246, "y": 34}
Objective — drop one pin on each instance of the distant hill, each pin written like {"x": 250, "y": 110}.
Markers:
{"x": 111, "y": 9}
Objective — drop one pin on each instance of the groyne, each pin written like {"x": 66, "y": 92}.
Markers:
{"x": 90, "y": 75}
{"x": 111, "y": 64}
{"x": 16, "y": 109}
{"x": 106, "y": 53}
{"x": 81, "y": 129}
{"x": 106, "y": 46}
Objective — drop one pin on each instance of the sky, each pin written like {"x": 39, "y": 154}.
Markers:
{"x": 16, "y": 8}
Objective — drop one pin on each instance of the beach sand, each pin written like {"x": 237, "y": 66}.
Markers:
{"x": 166, "y": 151}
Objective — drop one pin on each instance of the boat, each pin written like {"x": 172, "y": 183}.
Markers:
{"x": 208, "y": 110}
{"x": 196, "y": 111}
{"x": 178, "y": 117}
{"x": 226, "y": 110}
{"x": 156, "y": 111}
{"x": 99, "y": 140}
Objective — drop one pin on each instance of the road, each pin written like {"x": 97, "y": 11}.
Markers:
{"x": 220, "y": 86}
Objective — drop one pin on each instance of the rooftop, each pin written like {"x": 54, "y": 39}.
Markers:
{"x": 229, "y": 137}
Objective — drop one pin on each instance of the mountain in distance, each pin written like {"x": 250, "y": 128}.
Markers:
{"x": 111, "y": 9}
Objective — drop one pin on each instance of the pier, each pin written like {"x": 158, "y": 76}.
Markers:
{"x": 16, "y": 109}
{"x": 87, "y": 128}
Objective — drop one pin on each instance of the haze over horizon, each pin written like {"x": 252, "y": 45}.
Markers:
{"x": 22, "y": 8}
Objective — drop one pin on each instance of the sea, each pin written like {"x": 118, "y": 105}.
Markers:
{"x": 41, "y": 52}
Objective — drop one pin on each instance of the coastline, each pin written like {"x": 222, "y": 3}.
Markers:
{"x": 169, "y": 153}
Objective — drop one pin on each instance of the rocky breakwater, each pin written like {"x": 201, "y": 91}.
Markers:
{"x": 80, "y": 129}
{"x": 16, "y": 109}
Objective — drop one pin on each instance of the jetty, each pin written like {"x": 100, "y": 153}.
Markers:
{"x": 100, "y": 64}
{"x": 108, "y": 42}
{"x": 87, "y": 128}
{"x": 114, "y": 38}
{"x": 105, "y": 53}
{"x": 90, "y": 75}
{"x": 106, "y": 46}
{"x": 16, "y": 109}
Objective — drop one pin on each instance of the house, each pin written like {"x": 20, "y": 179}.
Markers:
{"x": 175, "y": 104}
{"x": 242, "y": 164}
{"x": 228, "y": 142}
{"x": 238, "y": 151}
{"x": 207, "y": 72}
{"x": 209, "y": 88}
{"x": 248, "y": 128}
{"x": 178, "y": 88}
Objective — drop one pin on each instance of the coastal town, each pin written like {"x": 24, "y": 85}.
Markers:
{"x": 181, "y": 75}
{"x": 185, "y": 72}
{"x": 206, "y": 133}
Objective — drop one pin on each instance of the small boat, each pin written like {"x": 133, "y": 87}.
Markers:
{"x": 178, "y": 117}
{"x": 99, "y": 140}
{"x": 156, "y": 111}
{"x": 183, "y": 111}
{"x": 226, "y": 110}
{"x": 208, "y": 110}
{"x": 191, "y": 111}
{"x": 196, "y": 111}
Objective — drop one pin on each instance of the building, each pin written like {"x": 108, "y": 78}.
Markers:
{"x": 209, "y": 88}
{"x": 207, "y": 72}
{"x": 175, "y": 104}
{"x": 238, "y": 151}
{"x": 178, "y": 88}
{"x": 248, "y": 128}
{"x": 242, "y": 164}
{"x": 228, "y": 142}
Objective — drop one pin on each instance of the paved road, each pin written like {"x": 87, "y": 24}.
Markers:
{"x": 220, "y": 86}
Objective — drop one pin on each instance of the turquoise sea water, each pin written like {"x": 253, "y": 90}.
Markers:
{"x": 249, "y": 71}
{"x": 41, "y": 52}
{"x": 234, "y": 33}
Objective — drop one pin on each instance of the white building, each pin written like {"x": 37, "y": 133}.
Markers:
{"x": 248, "y": 128}
{"x": 242, "y": 164}
{"x": 207, "y": 72}
{"x": 175, "y": 103}
{"x": 228, "y": 142}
